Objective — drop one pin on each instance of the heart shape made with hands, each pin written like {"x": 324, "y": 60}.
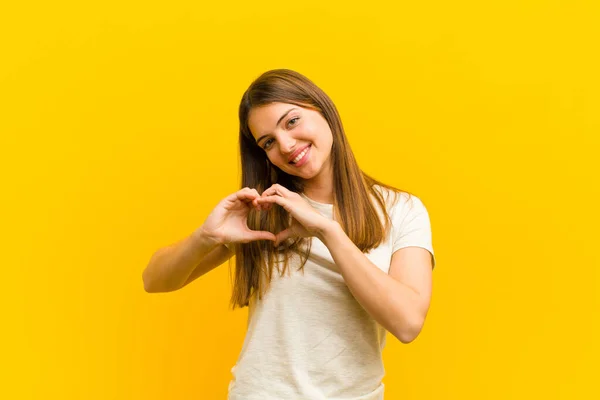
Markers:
{"x": 305, "y": 220}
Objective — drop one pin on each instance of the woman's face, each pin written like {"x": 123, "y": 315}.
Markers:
{"x": 297, "y": 140}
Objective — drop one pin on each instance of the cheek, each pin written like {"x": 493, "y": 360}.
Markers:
{"x": 324, "y": 142}
{"x": 279, "y": 161}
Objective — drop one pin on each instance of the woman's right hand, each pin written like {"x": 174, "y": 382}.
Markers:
{"x": 228, "y": 221}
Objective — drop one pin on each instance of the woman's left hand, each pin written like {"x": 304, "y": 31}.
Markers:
{"x": 306, "y": 221}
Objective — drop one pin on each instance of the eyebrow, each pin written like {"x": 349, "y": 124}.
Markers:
{"x": 278, "y": 121}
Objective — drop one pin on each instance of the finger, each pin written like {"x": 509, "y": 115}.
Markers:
{"x": 283, "y": 236}
{"x": 236, "y": 195}
{"x": 277, "y": 189}
{"x": 255, "y": 204}
{"x": 276, "y": 199}
{"x": 268, "y": 199}
{"x": 246, "y": 194}
{"x": 263, "y": 235}
{"x": 269, "y": 192}
{"x": 264, "y": 205}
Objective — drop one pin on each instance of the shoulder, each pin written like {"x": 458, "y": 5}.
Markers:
{"x": 405, "y": 210}
{"x": 398, "y": 201}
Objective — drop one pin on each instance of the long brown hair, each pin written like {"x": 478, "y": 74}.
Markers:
{"x": 352, "y": 188}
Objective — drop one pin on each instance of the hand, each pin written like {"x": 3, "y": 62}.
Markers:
{"x": 228, "y": 222}
{"x": 306, "y": 221}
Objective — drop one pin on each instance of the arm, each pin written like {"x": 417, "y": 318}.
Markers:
{"x": 398, "y": 301}
{"x": 175, "y": 266}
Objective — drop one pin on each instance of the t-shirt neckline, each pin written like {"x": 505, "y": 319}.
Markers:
{"x": 316, "y": 204}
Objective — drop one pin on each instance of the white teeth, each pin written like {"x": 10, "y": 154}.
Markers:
{"x": 299, "y": 157}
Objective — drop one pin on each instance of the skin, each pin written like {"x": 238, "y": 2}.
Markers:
{"x": 298, "y": 128}
{"x": 398, "y": 300}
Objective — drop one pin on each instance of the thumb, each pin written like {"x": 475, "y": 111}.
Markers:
{"x": 283, "y": 236}
{"x": 263, "y": 235}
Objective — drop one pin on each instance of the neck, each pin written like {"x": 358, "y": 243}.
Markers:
{"x": 320, "y": 187}
{"x": 320, "y": 196}
{"x": 319, "y": 190}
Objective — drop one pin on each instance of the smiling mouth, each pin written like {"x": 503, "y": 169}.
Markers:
{"x": 301, "y": 155}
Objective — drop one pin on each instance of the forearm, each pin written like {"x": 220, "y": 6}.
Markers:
{"x": 394, "y": 305}
{"x": 170, "y": 267}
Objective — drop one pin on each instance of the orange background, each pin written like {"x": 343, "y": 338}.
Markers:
{"x": 119, "y": 135}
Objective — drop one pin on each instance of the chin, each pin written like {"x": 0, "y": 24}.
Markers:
{"x": 308, "y": 175}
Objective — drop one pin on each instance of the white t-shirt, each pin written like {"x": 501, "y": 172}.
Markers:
{"x": 308, "y": 337}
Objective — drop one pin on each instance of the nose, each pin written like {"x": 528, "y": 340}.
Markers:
{"x": 286, "y": 143}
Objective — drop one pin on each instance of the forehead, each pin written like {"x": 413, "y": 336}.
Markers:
{"x": 262, "y": 119}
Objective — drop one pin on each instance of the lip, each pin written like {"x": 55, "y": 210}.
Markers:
{"x": 304, "y": 159}
{"x": 295, "y": 154}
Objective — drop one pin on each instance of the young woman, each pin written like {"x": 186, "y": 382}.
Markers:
{"x": 328, "y": 259}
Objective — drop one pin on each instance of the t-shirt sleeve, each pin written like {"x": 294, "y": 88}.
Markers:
{"x": 411, "y": 226}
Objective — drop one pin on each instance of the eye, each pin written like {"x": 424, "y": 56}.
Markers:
{"x": 293, "y": 119}
{"x": 267, "y": 144}
{"x": 268, "y": 141}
